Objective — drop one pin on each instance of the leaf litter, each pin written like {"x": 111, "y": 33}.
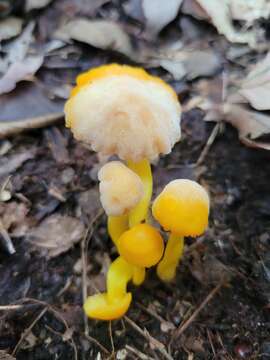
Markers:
{"x": 53, "y": 193}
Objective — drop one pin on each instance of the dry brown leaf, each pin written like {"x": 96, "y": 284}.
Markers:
{"x": 36, "y": 4}
{"x": 218, "y": 11}
{"x": 157, "y": 16}
{"x": 57, "y": 234}
{"x": 10, "y": 27}
{"x": 250, "y": 124}
{"x": 256, "y": 86}
{"x": 103, "y": 34}
{"x": 19, "y": 71}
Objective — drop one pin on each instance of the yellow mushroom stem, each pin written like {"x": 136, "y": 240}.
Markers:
{"x": 166, "y": 269}
{"x": 115, "y": 302}
{"x": 140, "y": 212}
{"x": 117, "y": 225}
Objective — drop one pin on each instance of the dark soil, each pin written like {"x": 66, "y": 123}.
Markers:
{"x": 235, "y": 323}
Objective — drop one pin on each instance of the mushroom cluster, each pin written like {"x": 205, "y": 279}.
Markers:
{"x": 123, "y": 111}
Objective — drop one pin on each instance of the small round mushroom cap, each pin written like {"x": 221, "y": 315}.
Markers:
{"x": 120, "y": 188}
{"x": 122, "y": 110}
{"x": 142, "y": 245}
{"x": 182, "y": 208}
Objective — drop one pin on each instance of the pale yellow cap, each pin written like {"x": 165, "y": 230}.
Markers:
{"x": 122, "y": 110}
{"x": 182, "y": 208}
{"x": 120, "y": 188}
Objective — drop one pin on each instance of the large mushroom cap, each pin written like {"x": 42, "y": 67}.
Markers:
{"x": 120, "y": 188}
{"x": 124, "y": 111}
{"x": 182, "y": 208}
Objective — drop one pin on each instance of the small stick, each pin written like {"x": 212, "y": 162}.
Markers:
{"x": 187, "y": 323}
{"x": 209, "y": 143}
{"x": 138, "y": 353}
{"x": 10, "y": 307}
{"x": 157, "y": 344}
{"x": 111, "y": 338}
{"x": 28, "y": 330}
{"x": 96, "y": 342}
{"x": 84, "y": 250}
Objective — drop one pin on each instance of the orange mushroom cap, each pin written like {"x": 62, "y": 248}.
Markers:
{"x": 142, "y": 245}
{"x": 182, "y": 208}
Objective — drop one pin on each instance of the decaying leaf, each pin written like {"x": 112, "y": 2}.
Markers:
{"x": 57, "y": 234}
{"x": 19, "y": 71}
{"x": 5, "y": 356}
{"x": 103, "y": 34}
{"x": 218, "y": 12}
{"x": 250, "y": 124}
{"x": 188, "y": 62}
{"x": 157, "y": 16}
{"x": 249, "y": 10}
{"x": 13, "y": 162}
{"x": 36, "y": 4}
{"x": 256, "y": 86}
{"x": 10, "y": 27}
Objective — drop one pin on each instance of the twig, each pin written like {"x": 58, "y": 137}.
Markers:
{"x": 8, "y": 128}
{"x": 187, "y": 323}
{"x": 96, "y": 342}
{"x": 10, "y": 307}
{"x": 154, "y": 342}
{"x": 154, "y": 314}
{"x": 57, "y": 315}
{"x": 6, "y": 240}
{"x": 111, "y": 338}
{"x": 28, "y": 330}
{"x": 84, "y": 251}
{"x": 209, "y": 143}
{"x": 138, "y": 353}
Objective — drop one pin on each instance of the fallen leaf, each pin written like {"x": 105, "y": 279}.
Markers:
{"x": 218, "y": 11}
{"x": 256, "y": 86}
{"x": 19, "y": 71}
{"x": 157, "y": 16}
{"x": 5, "y": 356}
{"x": 57, "y": 234}
{"x": 103, "y": 34}
{"x": 13, "y": 215}
{"x": 17, "y": 49}
{"x": 13, "y": 162}
{"x": 250, "y": 124}
{"x": 36, "y": 4}
{"x": 10, "y": 27}
{"x": 249, "y": 10}
{"x": 181, "y": 62}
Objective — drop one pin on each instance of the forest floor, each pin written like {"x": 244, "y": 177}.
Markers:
{"x": 218, "y": 307}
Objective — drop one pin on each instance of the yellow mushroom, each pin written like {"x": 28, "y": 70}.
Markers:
{"x": 181, "y": 208}
{"x": 120, "y": 191}
{"x": 140, "y": 247}
{"x": 123, "y": 110}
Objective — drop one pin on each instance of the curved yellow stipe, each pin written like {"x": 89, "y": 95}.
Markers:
{"x": 119, "y": 274}
{"x": 116, "y": 70}
{"x": 166, "y": 269}
{"x": 117, "y": 225}
{"x": 115, "y": 302}
{"x": 139, "y": 213}
{"x": 138, "y": 275}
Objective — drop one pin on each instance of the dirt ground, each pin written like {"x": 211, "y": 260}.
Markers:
{"x": 218, "y": 305}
